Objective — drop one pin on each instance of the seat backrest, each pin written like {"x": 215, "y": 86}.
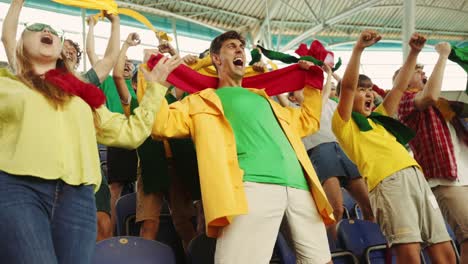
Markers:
{"x": 358, "y": 235}
{"x": 168, "y": 235}
{"x": 201, "y": 250}
{"x": 125, "y": 208}
{"x": 283, "y": 251}
{"x": 358, "y": 212}
{"x": 344, "y": 257}
{"x": 333, "y": 244}
{"x": 348, "y": 201}
{"x": 127, "y": 249}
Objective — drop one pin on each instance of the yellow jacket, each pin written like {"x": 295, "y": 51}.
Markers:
{"x": 200, "y": 116}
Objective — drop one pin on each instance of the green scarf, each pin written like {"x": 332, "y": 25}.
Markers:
{"x": 460, "y": 56}
{"x": 285, "y": 58}
{"x": 402, "y": 133}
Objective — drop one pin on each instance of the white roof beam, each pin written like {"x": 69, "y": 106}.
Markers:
{"x": 423, "y": 31}
{"x": 271, "y": 11}
{"x": 348, "y": 13}
{"x": 218, "y": 10}
{"x": 164, "y": 13}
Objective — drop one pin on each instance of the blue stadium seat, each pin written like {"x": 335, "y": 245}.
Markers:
{"x": 103, "y": 159}
{"x": 168, "y": 235}
{"x": 346, "y": 214}
{"x": 348, "y": 204}
{"x": 425, "y": 256}
{"x": 283, "y": 251}
{"x": 126, "y": 226}
{"x": 127, "y": 249}
{"x": 344, "y": 257}
{"x": 125, "y": 213}
{"x": 340, "y": 256}
{"x": 287, "y": 256}
{"x": 357, "y": 212}
{"x": 201, "y": 250}
{"x": 364, "y": 239}
{"x": 455, "y": 245}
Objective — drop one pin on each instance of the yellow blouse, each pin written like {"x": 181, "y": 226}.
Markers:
{"x": 38, "y": 140}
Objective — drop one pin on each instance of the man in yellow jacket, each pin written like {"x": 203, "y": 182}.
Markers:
{"x": 253, "y": 166}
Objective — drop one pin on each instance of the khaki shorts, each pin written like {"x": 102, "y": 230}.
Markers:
{"x": 407, "y": 210}
{"x": 250, "y": 238}
{"x": 452, "y": 203}
{"x": 148, "y": 204}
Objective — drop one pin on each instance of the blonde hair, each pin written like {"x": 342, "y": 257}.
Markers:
{"x": 54, "y": 95}
{"x": 25, "y": 72}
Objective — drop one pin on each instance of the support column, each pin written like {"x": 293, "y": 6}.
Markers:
{"x": 174, "y": 31}
{"x": 408, "y": 27}
{"x": 83, "y": 32}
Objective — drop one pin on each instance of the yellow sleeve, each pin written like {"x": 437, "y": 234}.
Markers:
{"x": 342, "y": 129}
{"x": 172, "y": 121}
{"x": 306, "y": 119}
{"x": 130, "y": 132}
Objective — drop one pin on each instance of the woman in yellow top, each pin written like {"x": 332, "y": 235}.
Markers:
{"x": 50, "y": 122}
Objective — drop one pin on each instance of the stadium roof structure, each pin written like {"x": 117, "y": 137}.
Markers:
{"x": 283, "y": 24}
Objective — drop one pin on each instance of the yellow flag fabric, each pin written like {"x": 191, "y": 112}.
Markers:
{"x": 109, "y": 5}
{"x": 161, "y": 35}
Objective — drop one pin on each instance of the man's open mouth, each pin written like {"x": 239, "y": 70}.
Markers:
{"x": 238, "y": 62}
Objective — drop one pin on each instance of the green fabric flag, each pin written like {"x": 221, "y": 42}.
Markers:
{"x": 256, "y": 56}
{"x": 337, "y": 64}
{"x": 276, "y": 55}
{"x": 460, "y": 56}
{"x": 402, "y": 133}
{"x": 285, "y": 58}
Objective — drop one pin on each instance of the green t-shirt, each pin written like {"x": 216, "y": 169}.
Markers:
{"x": 263, "y": 150}
{"x": 113, "y": 102}
{"x": 91, "y": 77}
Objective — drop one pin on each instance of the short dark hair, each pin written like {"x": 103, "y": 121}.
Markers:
{"x": 363, "y": 78}
{"x": 418, "y": 66}
{"x": 216, "y": 44}
{"x": 79, "y": 52}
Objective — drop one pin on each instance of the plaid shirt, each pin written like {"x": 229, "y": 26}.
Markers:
{"x": 432, "y": 146}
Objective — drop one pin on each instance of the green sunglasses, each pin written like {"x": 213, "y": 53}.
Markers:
{"x": 37, "y": 27}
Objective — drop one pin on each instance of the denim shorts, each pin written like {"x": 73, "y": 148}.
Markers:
{"x": 329, "y": 160}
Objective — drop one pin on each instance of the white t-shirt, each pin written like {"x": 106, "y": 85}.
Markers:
{"x": 325, "y": 134}
{"x": 461, "y": 156}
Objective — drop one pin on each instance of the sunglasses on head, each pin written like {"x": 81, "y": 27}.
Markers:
{"x": 38, "y": 27}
